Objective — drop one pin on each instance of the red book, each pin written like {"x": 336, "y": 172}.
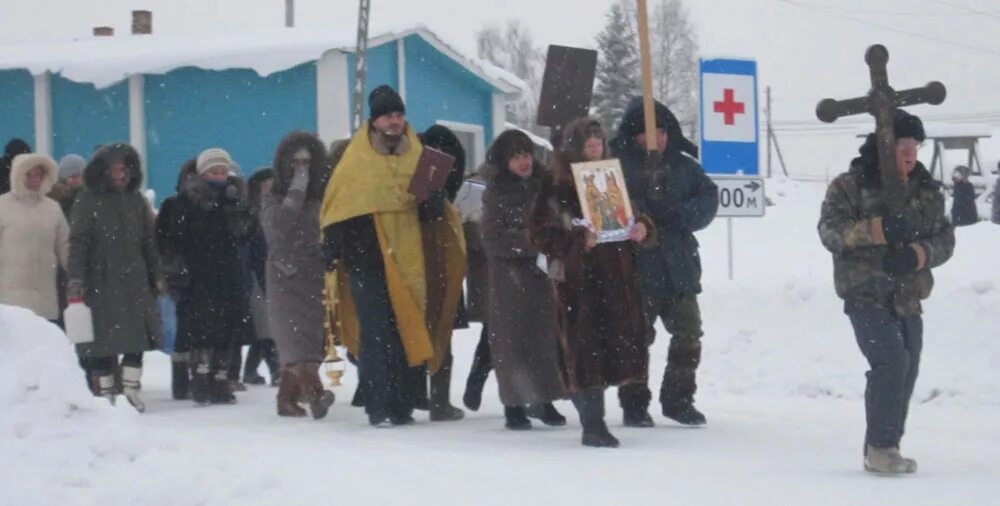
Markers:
{"x": 431, "y": 174}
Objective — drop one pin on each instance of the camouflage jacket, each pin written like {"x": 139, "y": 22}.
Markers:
{"x": 850, "y": 227}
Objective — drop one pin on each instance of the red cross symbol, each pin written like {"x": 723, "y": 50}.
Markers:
{"x": 730, "y": 107}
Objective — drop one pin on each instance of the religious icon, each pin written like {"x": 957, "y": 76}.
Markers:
{"x": 604, "y": 199}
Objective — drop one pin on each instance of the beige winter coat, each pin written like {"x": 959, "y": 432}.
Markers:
{"x": 34, "y": 240}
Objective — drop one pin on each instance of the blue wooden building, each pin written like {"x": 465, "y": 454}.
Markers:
{"x": 172, "y": 97}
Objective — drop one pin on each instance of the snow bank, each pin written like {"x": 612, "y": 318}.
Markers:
{"x": 53, "y": 432}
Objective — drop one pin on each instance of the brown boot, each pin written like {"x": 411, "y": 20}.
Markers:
{"x": 288, "y": 394}
{"x": 313, "y": 392}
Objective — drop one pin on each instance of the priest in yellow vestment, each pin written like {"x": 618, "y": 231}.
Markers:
{"x": 375, "y": 236}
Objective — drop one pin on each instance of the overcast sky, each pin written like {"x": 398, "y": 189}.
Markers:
{"x": 806, "y": 49}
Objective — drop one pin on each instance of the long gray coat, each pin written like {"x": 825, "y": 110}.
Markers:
{"x": 112, "y": 252}
{"x": 523, "y": 330}
{"x": 295, "y": 267}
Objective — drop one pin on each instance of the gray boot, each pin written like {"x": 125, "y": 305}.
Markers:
{"x": 131, "y": 386}
{"x": 888, "y": 461}
{"x": 104, "y": 386}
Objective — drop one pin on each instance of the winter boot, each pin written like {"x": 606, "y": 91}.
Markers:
{"x": 252, "y": 378}
{"x": 131, "y": 386}
{"x": 888, "y": 461}
{"x": 104, "y": 386}
{"x": 684, "y": 414}
{"x": 679, "y": 384}
{"x": 421, "y": 397}
{"x": 402, "y": 419}
{"x": 634, "y": 399}
{"x": 597, "y": 435}
{"x": 516, "y": 417}
{"x": 221, "y": 389}
{"x": 288, "y": 395}
{"x": 441, "y": 408}
{"x": 547, "y": 414}
{"x": 590, "y": 406}
{"x": 478, "y": 374}
{"x": 270, "y": 354}
{"x": 312, "y": 391}
{"x": 250, "y": 375}
{"x": 201, "y": 382}
{"x": 180, "y": 377}
{"x": 201, "y": 377}
{"x": 637, "y": 418}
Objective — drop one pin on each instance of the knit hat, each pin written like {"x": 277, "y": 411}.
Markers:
{"x": 16, "y": 147}
{"x": 70, "y": 166}
{"x": 384, "y": 100}
{"x": 905, "y": 126}
{"x": 213, "y": 157}
{"x": 908, "y": 126}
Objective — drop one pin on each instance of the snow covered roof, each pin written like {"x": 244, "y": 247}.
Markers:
{"x": 104, "y": 61}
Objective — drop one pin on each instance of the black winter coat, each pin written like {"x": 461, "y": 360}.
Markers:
{"x": 681, "y": 200}
{"x": 210, "y": 228}
{"x": 963, "y": 208}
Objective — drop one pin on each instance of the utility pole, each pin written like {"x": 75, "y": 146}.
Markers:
{"x": 289, "y": 13}
{"x": 772, "y": 138}
{"x": 767, "y": 114}
{"x": 364, "y": 10}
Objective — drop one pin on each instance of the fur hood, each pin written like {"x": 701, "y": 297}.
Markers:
{"x": 95, "y": 176}
{"x": 508, "y": 144}
{"x": 319, "y": 171}
{"x": 24, "y": 163}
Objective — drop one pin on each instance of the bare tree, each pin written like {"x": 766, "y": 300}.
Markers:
{"x": 513, "y": 49}
{"x": 675, "y": 61}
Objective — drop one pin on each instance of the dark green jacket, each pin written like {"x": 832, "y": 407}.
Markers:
{"x": 113, "y": 254}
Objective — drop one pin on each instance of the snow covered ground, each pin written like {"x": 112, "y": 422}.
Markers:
{"x": 782, "y": 384}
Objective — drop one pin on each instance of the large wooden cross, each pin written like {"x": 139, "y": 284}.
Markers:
{"x": 882, "y": 102}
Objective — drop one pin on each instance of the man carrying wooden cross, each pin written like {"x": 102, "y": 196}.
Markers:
{"x": 884, "y": 246}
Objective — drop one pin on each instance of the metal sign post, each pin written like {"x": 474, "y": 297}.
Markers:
{"x": 730, "y": 140}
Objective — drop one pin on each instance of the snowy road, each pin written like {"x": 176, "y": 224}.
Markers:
{"x": 757, "y": 450}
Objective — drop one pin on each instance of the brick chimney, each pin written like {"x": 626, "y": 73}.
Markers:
{"x": 142, "y": 22}
{"x": 104, "y": 31}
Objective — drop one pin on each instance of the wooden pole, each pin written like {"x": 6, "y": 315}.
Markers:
{"x": 361, "y": 69}
{"x": 648, "y": 109}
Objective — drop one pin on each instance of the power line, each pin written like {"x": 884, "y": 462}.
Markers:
{"x": 812, "y": 7}
{"x": 967, "y": 9}
{"x": 813, "y": 123}
{"x": 881, "y": 12}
